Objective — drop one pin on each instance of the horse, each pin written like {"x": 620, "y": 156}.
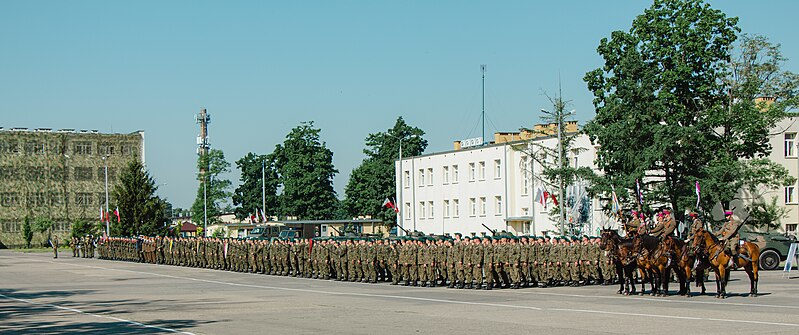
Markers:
{"x": 706, "y": 243}
{"x": 620, "y": 251}
{"x": 677, "y": 252}
{"x": 644, "y": 247}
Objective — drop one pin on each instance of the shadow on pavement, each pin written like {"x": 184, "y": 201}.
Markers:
{"x": 18, "y": 317}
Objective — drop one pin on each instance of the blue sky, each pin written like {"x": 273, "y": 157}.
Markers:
{"x": 353, "y": 67}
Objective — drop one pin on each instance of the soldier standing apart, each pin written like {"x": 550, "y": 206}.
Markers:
{"x": 54, "y": 244}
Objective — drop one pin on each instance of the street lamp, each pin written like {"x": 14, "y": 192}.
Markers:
{"x": 399, "y": 176}
{"x": 107, "y": 228}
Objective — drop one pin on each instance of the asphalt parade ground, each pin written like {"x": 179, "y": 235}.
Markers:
{"x": 42, "y": 295}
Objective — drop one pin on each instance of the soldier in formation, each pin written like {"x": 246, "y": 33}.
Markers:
{"x": 463, "y": 262}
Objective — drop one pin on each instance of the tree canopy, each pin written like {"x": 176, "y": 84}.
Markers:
{"x": 374, "y": 180}
{"x": 211, "y": 166}
{"x": 674, "y": 107}
{"x": 141, "y": 211}
{"x": 304, "y": 167}
{"x": 248, "y": 196}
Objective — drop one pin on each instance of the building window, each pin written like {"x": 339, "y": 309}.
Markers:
{"x": 472, "y": 172}
{"x": 34, "y": 148}
{"x": 8, "y": 173}
{"x": 35, "y": 173}
{"x": 472, "y": 207}
{"x": 523, "y": 165}
{"x": 482, "y": 170}
{"x": 83, "y": 199}
{"x": 82, "y": 148}
{"x": 790, "y": 144}
{"x": 525, "y": 185}
{"x": 498, "y": 205}
{"x": 789, "y": 196}
{"x": 407, "y": 178}
{"x": 482, "y": 206}
{"x": 8, "y": 199}
{"x": 37, "y": 200}
{"x": 105, "y": 149}
{"x": 446, "y": 208}
{"x": 429, "y": 176}
{"x": 790, "y": 229}
{"x": 407, "y": 211}
{"x": 446, "y": 174}
{"x": 456, "y": 208}
{"x": 497, "y": 169}
{"x": 421, "y": 209}
{"x": 430, "y": 207}
{"x": 455, "y": 176}
{"x": 84, "y": 173}
{"x": 421, "y": 177}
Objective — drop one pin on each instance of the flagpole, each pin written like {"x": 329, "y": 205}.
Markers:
{"x": 263, "y": 190}
{"x": 107, "y": 228}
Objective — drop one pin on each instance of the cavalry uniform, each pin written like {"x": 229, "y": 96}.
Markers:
{"x": 729, "y": 233}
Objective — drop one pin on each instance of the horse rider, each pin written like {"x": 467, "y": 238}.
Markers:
{"x": 632, "y": 225}
{"x": 643, "y": 228}
{"x": 669, "y": 224}
{"x": 660, "y": 227}
{"x": 728, "y": 234}
{"x": 696, "y": 225}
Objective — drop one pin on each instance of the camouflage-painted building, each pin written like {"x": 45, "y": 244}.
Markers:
{"x": 59, "y": 175}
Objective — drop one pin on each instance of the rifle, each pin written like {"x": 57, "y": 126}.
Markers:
{"x": 493, "y": 231}
{"x": 407, "y": 232}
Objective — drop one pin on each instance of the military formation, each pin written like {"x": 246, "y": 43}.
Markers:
{"x": 464, "y": 262}
{"x": 83, "y": 247}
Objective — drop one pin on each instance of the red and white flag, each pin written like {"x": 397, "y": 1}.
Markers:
{"x": 102, "y": 214}
{"x": 697, "y": 194}
{"x": 263, "y": 215}
{"x": 389, "y": 204}
{"x": 116, "y": 212}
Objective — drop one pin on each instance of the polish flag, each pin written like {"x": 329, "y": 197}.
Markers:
{"x": 389, "y": 204}
{"x": 116, "y": 212}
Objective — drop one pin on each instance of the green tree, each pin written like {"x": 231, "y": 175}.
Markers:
{"x": 211, "y": 166}
{"x": 661, "y": 97}
{"x": 44, "y": 226}
{"x": 767, "y": 215}
{"x": 248, "y": 196}
{"x": 557, "y": 173}
{"x": 141, "y": 211}
{"x": 27, "y": 232}
{"x": 82, "y": 228}
{"x": 305, "y": 169}
{"x": 374, "y": 180}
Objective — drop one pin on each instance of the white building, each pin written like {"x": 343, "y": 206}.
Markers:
{"x": 494, "y": 184}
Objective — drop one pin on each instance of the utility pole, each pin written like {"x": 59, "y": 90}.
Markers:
{"x": 263, "y": 189}
{"x": 203, "y": 119}
{"x": 107, "y": 216}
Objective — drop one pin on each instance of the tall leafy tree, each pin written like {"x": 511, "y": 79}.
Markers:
{"x": 374, "y": 180}
{"x": 27, "y": 232}
{"x": 305, "y": 169}
{"x": 258, "y": 178}
{"x": 213, "y": 190}
{"x": 557, "y": 173}
{"x": 661, "y": 97}
{"x": 141, "y": 211}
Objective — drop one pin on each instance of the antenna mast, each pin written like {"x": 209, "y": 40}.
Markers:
{"x": 483, "y": 114}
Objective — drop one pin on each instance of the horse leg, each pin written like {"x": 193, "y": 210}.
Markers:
{"x": 629, "y": 280}
{"x": 620, "y": 274}
{"x": 665, "y": 282}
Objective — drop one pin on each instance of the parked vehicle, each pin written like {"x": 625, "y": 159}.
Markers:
{"x": 773, "y": 247}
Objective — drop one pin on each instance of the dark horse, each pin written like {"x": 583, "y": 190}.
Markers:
{"x": 709, "y": 246}
{"x": 620, "y": 251}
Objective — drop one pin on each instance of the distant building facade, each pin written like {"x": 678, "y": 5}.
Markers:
{"x": 497, "y": 185}
{"x": 59, "y": 175}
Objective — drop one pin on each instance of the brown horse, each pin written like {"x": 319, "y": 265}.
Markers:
{"x": 719, "y": 260}
{"x": 620, "y": 251}
{"x": 687, "y": 263}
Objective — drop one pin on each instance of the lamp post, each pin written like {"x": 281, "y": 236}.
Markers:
{"x": 107, "y": 225}
{"x": 400, "y": 177}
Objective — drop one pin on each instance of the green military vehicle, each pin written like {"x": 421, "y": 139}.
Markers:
{"x": 773, "y": 247}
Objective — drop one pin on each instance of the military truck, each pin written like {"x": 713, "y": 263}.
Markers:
{"x": 266, "y": 231}
{"x": 773, "y": 247}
